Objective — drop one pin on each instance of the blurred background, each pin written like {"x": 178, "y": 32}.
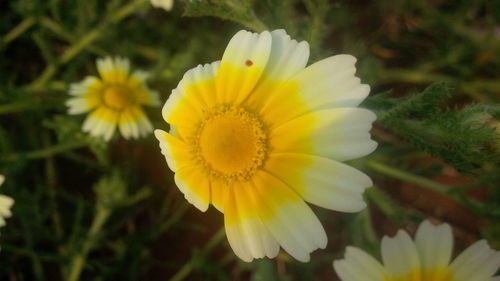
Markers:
{"x": 91, "y": 210}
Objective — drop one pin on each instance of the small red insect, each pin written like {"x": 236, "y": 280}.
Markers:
{"x": 249, "y": 63}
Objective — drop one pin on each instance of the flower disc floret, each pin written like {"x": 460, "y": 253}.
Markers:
{"x": 117, "y": 97}
{"x": 231, "y": 143}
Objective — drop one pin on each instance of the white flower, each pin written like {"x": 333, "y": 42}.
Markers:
{"x": 5, "y": 204}
{"x": 258, "y": 134}
{"x": 165, "y": 4}
{"x": 427, "y": 258}
{"x": 114, "y": 100}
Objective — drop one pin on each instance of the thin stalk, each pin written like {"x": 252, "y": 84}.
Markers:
{"x": 408, "y": 177}
{"x": 83, "y": 43}
{"x": 45, "y": 152}
{"x": 453, "y": 193}
{"x": 51, "y": 177}
{"x": 127, "y": 10}
{"x": 184, "y": 271}
{"x": 66, "y": 35}
{"x": 19, "y": 30}
{"x": 79, "y": 259}
{"x": 17, "y": 107}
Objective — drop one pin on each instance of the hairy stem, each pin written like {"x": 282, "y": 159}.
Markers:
{"x": 79, "y": 259}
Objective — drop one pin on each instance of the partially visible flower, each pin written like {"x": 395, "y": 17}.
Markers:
{"x": 5, "y": 204}
{"x": 165, "y": 4}
{"x": 258, "y": 134}
{"x": 425, "y": 259}
{"x": 115, "y": 99}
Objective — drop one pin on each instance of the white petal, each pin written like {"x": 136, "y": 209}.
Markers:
{"x": 245, "y": 231}
{"x": 176, "y": 152}
{"x": 242, "y": 65}
{"x": 339, "y": 133}
{"x": 146, "y": 96}
{"x": 104, "y": 64}
{"x": 100, "y": 122}
{"x": 2, "y": 179}
{"x": 477, "y": 263}
{"x": 399, "y": 254}
{"x": 287, "y": 58}
{"x": 287, "y": 217}
{"x": 113, "y": 70}
{"x": 321, "y": 181}
{"x": 90, "y": 83}
{"x": 5, "y": 205}
{"x": 195, "y": 186}
{"x": 109, "y": 64}
{"x": 128, "y": 126}
{"x": 434, "y": 244}
{"x": 195, "y": 92}
{"x": 77, "y": 106}
{"x": 165, "y": 4}
{"x": 359, "y": 266}
{"x": 331, "y": 83}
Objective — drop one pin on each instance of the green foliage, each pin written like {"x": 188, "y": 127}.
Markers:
{"x": 240, "y": 11}
{"x": 462, "y": 138}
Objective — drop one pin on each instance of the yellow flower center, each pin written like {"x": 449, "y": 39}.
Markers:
{"x": 117, "y": 97}
{"x": 436, "y": 274}
{"x": 231, "y": 143}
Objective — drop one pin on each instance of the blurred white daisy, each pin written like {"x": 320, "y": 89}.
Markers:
{"x": 164, "y": 4}
{"x": 115, "y": 99}
{"x": 425, "y": 259}
{"x": 5, "y": 204}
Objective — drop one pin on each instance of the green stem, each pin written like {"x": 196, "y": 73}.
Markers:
{"x": 46, "y": 152}
{"x": 19, "y": 29}
{"x": 189, "y": 266}
{"x": 453, "y": 193}
{"x": 63, "y": 34}
{"x": 127, "y": 10}
{"x": 408, "y": 177}
{"x": 79, "y": 259}
{"x": 80, "y": 45}
{"x": 17, "y": 107}
{"x": 387, "y": 205}
{"x": 83, "y": 43}
{"x": 51, "y": 177}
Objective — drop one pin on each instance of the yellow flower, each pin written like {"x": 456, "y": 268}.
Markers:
{"x": 164, "y": 4}
{"x": 115, "y": 100}
{"x": 5, "y": 204}
{"x": 425, "y": 259}
{"x": 258, "y": 133}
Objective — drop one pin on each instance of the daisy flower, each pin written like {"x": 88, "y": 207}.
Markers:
{"x": 115, "y": 99}
{"x": 258, "y": 134}
{"x": 5, "y": 204}
{"x": 425, "y": 259}
{"x": 164, "y": 4}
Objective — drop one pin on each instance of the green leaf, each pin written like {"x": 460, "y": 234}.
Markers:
{"x": 463, "y": 138}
